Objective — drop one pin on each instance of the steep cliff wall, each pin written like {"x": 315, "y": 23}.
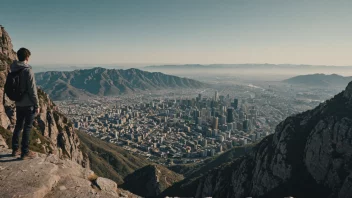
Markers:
{"x": 63, "y": 141}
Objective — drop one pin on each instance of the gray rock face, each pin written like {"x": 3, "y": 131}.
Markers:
{"x": 310, "y": 155}
{"x": 48, "y": 176}
{"x": 63, "y": 140}
{"x": 6, "y": 47}
{"x": 106, "y": 185}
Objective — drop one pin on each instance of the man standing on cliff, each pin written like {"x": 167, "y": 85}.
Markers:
{"x": 27, "y": 107}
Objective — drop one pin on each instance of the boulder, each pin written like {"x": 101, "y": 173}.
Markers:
{"x": 106, "y": 185}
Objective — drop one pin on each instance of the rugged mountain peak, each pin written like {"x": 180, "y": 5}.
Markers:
{"x": 348, "y": 91}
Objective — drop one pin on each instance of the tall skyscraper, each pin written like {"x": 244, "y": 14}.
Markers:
{"x": 246, "y": 125}
{"x": 196, "y": 114}
{"x": 213, "y": 111}
{"x": 216, "y": 97}
{"x": 230, "y": 115}
{"x": 222, "y": 120}
{"x": 222, "y": 110}
{"x": 253, "y": 112}
{"x": 215, "y": 122}
{"x": 241, "y": 115}
{"x": 209, "y": 132}
{"x": 204, "y": 142}
{"x": 199, "y": 120}
{"x": 235, "y": 103}
{"x": 203, "y": 113}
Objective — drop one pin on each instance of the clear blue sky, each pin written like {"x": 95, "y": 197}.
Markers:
{"x": 181, "y": 31}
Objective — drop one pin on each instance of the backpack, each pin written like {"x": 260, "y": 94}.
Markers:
{"x": 13, "y": 86}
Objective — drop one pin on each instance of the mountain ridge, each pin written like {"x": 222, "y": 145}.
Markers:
{"x": 244, "y": 65}
{"x": 99, "y": 81}
{"x": 320, "y": 80}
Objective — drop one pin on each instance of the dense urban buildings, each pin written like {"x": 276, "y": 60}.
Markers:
{"x": 182, "y": 125}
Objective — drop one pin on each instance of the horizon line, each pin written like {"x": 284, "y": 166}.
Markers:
{"x": 177, "y": 64}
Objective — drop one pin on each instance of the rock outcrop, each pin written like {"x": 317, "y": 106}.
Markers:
{"x": 6, "y": 47}
{"x": 62, "y": 139}
{"x": 49, "y": 176}
{"x": 150, "y": 180}
{"x": 310, "y": 155}
{"x": 7, "y": 55}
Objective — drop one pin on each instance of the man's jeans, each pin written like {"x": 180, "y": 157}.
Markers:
{"x": 24, "y": 120}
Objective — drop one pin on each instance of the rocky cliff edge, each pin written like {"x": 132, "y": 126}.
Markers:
{"x": 49, "y": 176}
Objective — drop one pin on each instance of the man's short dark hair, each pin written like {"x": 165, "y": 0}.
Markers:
{"x": 23, "y": 53}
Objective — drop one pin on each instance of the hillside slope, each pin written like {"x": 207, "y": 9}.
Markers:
{"x": 107, "y": 82}
{"x": 194, "y": 170}
{"x": 109, "y": 160}
{"x": 150, "y": 180}
{"x": 310, "y": 155}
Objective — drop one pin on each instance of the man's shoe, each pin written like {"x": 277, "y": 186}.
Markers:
{"x": 29, "y": 155}
{"x": 16, "y": 153}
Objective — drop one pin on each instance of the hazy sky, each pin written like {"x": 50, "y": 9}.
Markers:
{"x": 181, "y": 31}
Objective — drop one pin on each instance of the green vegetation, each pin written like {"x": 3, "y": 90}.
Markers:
{"x": 109, "y": 160}
{"x": 196, "y": 169}
{"x": 143, "y": 182}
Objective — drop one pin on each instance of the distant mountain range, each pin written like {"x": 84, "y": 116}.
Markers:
{"x": 256, "y": 72}
{"x": 107, "y": 82}
{"x": 320, "y": 80}
{"x": 239, "y": 66}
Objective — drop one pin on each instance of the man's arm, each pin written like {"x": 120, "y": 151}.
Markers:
{"x": 32, "y": 89}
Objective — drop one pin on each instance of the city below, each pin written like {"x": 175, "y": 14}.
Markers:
{"x": 184, "y": 126}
